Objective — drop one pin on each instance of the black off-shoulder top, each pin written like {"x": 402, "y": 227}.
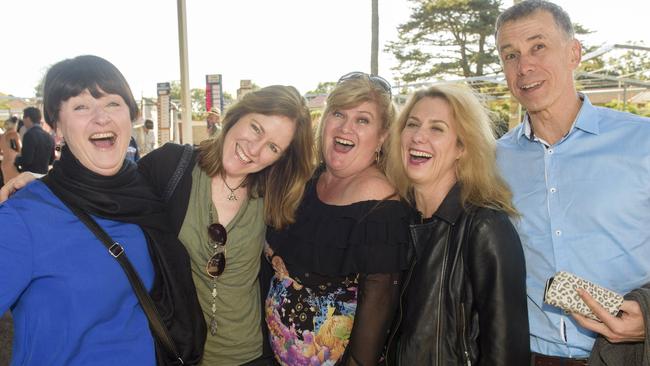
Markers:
{"x": 363, "y": 237}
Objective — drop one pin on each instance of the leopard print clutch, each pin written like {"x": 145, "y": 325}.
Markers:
{"x": 561, "y": 292}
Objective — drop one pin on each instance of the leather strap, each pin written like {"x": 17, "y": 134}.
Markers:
{"x": 183, "y": 163}
{"x": 117, "y": 251}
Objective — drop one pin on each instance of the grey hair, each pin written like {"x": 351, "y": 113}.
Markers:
{"x": 528, "y": 7}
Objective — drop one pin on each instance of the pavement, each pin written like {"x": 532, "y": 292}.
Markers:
{"x": 6, "y": 335}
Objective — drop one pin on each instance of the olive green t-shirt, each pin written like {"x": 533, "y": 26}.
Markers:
{"x": 239, "y": 336}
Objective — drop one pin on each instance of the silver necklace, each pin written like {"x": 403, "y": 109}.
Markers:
{"x": 232, "y": 196}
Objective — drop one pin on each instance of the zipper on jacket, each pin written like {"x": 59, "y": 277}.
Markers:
{"x": 400, "y": 313}
{"x": 442, "y": 282}
{"x": 463, "y": 337}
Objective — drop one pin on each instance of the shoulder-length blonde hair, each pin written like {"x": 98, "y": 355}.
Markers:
{"x": 350, "y": 93}
{"x": 481, "y": 184}
{"x": 282, "y": 183}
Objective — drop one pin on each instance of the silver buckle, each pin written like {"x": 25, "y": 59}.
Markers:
{"x": 116, "y": 250}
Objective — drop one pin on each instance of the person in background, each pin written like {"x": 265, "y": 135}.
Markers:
{"x": 465, "y": 299}
{"x": 10, "y": 146}
{"x": 580, "y": 177}
{"x": 38, "y": 146}
{"x": 71, "y": 302}
{"x": 149, "y": 137}
{"x": 21, "y": 128}
{"x": 132, "y": 151}
{"x": 338, "y": 266}
{"x": 213, "y": 121}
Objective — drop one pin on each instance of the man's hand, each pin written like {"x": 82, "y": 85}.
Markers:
{"x": 628, "y": 327}
{"x": 17, "y": 183}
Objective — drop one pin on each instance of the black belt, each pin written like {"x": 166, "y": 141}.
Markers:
{"x": 543, "y": 360}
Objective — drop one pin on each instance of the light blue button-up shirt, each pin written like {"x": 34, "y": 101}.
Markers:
{"x": 585, "y": 205}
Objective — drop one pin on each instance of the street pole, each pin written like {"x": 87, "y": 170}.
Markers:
{"x": 374, "y": 43}
{"x": 186, "y": 101}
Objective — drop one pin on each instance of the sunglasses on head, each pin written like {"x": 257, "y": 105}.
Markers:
{"x": 217, "y": 263}
{"x": 376, "y": 79}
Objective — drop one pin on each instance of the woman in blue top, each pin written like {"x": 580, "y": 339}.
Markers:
{"x": 71, "y": 301}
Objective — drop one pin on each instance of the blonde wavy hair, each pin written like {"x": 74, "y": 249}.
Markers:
{"x": 480, "y": 181}
{"x": 282, "y": 183}
{"x": 350, "y": 93}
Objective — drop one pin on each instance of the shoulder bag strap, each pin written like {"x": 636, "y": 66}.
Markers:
{"x": 117, "y": 251}
{"x": 183, "y": 163}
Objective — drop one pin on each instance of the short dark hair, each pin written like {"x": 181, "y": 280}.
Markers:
{"x": 148, "y": 124}
{"x": 70, "y": 77}
{"x": 528, "y": 7}
{"x": 33, "y": 113}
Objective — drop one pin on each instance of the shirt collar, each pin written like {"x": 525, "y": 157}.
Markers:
{"x": 586, "y": 120}
{"x": 450, "y": 209}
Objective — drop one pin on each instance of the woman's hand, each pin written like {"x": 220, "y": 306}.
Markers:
{"x": 628, "y": 327}
{"x": 16, "y": 183}
{"x": 281, "y": 271}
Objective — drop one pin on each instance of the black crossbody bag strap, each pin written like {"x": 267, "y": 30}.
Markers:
{"x": 117, "y": 251}
{"x": 183, "y": 163}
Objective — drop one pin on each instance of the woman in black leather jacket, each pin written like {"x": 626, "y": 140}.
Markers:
{"x": 464, "y": 300}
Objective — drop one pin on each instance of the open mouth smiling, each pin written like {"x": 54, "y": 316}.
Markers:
{"x": 343, "y": 142}
{"x": 530, "y": 85}
{"x": 419, "y": 156}
{"x": 343, "y": 145}
{"x": 241, "y": 155}
{"x": 103, "y": 139}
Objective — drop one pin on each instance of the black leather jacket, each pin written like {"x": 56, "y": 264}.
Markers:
{"x": 465, "y": 297}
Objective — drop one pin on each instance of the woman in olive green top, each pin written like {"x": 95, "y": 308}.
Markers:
{"x": 250, "y": 175}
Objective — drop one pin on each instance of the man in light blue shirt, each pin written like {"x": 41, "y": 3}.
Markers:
{"x": 580, "y": 177}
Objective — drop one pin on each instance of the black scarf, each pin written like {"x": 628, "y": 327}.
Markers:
{"x": 128, "y": 197}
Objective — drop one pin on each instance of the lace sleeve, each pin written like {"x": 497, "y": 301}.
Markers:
{"x": 376, "y": 304}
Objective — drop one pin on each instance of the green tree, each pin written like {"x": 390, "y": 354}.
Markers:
{"x": 38, "y": 89}
{"x": 447, "y": 37}
{"x": 198, "y": 100}
{"x": 631, "y": 64}
{"x": 323, "y": 88}
{"x": 197, "y": 96}
{"x": 228, "y": 98}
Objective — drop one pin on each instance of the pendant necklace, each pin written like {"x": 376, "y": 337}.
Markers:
{"x": 232, "y": 196}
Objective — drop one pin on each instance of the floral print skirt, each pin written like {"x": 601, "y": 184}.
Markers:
{"x": 309, "y": 326}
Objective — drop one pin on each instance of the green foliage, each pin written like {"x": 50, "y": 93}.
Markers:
{"x": 323, "y": 88}
{"x": 627, "y": 107}
{"x": 198, "y": 100}
{"x": 500, "y": 115}
{"x": 197, "y": 97}
{"x": 447, "y": 37}
{"x": 38, "y": 89}
{"x": 631, "y": 64}
{"x": 228, "y": 98}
